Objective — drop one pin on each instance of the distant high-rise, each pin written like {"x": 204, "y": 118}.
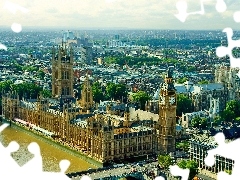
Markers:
{"x": 87, "y": 54}
{"x": 68, "y": 35}
{"x": 117, "y": 37}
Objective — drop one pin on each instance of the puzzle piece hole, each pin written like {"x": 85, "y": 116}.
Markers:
{"x": 17, "y": 28}
{"x": 182, "y": 6}
{"x": 64, "y": 165}
{"x": 236, "y": 52}
{"x": 221, "y": 51}
{"x": 236, "y": 16}
{"x": 221, "y": 6}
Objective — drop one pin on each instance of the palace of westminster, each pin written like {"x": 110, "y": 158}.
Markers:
{"x": 103, "y": 137}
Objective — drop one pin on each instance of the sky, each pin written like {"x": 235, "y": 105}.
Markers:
{"x": 122, "y": 14}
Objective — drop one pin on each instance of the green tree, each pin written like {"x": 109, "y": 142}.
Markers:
{"x": 97, "y": 92}
{"x": 227, "y": 115}
{"x": 228, "y": 171}
{"x": 29, "y": 68}
{"x": 191, "y": 165}
{"x": 203, "y": 82}
{"x": 199, "y": 122}
{"x": 165, "y": 161}
{"x": 184, "y": 145}
{"x": 184, "y": 104}
{"x": 182, "y": 80}
{"x": 234, "y": 106}
{"x": 216, "y": 121}
{"x": 46, "y": 93}
{"x": 141, "y": 97}
{"x": 41, "y": 74}
{"x": 116, "y": 91}
{"x": 191, "y": 69}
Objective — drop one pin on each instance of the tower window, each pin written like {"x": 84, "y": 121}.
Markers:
{"x": 65, "y": 75}
{"x": 66, "y": 91}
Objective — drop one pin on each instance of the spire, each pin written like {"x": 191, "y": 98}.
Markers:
{"x": 53, "y": 53}
{"x": 126, "y": 108}
{"x": 169, "y": 73}
{"x": 62, "y": 38}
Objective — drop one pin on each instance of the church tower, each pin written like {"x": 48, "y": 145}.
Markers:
{"x": 167, "y": 116}
{"x": 62, "y": 72}
{"x": 86, "y": 101}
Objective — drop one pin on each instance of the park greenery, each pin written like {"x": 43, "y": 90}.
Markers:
{"x": 191, "y": 165}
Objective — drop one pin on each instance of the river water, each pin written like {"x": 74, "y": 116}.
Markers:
{"x": 50, "y": 154}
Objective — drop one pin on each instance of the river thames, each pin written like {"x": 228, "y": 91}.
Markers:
{"x": 51, "y": 155}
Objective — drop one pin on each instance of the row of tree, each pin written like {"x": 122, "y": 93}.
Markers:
{"x": 145, "y": 60}
{"x": 120, "y": 92}
{"x": 111, "y": 91}
{"x": 24, "y": 68}
{"x": 26, "y": 90}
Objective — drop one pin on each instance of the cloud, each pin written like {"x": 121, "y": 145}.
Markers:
{"x": 126, "y": 13}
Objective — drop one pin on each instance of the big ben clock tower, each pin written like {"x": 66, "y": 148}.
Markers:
{"x": 167, "y": 116}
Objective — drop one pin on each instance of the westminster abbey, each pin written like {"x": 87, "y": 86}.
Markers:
{"x": 104, "y": 137}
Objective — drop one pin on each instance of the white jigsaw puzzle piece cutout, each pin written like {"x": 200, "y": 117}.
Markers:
{"x": 228, "y": 150}
{"x": 2, "y": 46}
{"x": 35, "y": 164}
{"x": 32, "y": 169}
{"x": 222, "y": 51}
{"x": 5, "y": 156}
{"x": 182, "y": 9}
{"x": 159, "y": 178}
{"x": 13, "y": 8}
{"x": 177, "y": 171}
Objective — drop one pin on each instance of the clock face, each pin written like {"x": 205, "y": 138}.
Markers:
{"x": 162, "y": 100}
{"x": 172, "y": 100}
{"x": 164, "y": 86}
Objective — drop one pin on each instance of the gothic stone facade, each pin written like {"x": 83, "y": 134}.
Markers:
{"x": 103, "y": 137}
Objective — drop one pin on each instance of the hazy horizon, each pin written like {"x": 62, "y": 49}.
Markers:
{"x": 116, "y": 14}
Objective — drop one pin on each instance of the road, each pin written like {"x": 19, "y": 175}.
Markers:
{"x": 118, "y": 171}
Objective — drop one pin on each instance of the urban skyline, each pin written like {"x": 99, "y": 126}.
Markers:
{"x": 121, "y": 14}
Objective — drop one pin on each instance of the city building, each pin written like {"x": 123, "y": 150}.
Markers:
{"x": 102, "y": 136}
{"x": 87, "y": 54}
{"x": 224, "y": 89}
{"x": 201, "y": 143}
